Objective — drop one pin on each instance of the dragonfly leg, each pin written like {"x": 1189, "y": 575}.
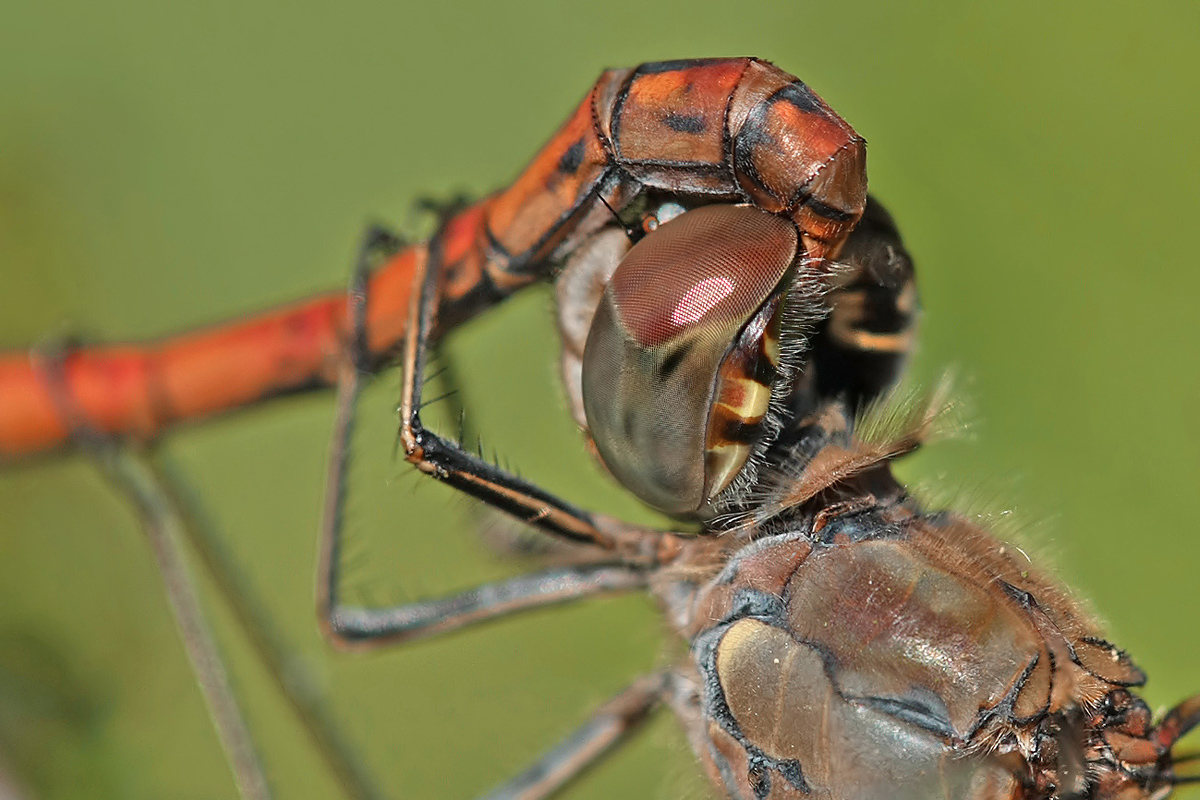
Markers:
{"x": 164, "y": 529}
{"x": 450, "y": 463}
{"x": 606, "y": 729}
{"x": 603, "y": 572}
{"x": 498, "y": 535}
{"x": 682, "y": 696}
{"x": 369, "y": 627}
{"x": 169, "y": 512}
{"x": 363, "y": 628}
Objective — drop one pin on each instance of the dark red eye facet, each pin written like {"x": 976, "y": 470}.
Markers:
{"x": 672, "y": 313}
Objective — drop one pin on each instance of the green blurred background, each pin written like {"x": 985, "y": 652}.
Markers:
{"x": 167, "y": 165}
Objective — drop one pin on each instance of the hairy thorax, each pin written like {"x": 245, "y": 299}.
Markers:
{"x": 866, "y": 649}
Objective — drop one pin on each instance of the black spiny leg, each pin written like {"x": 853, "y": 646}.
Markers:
{"x": 448, "y": 462}
{"x": 370, "y": 627}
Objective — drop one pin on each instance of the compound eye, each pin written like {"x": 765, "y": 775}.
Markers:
{"x": 683, "y": 350}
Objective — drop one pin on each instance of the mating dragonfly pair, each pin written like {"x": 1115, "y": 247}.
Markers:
{"x": 734, "y": 312}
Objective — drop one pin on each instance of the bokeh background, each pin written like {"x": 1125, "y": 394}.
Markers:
{"x": 168, "y": 165}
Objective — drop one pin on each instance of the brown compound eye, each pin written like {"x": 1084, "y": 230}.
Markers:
{"x": 683, "y": 351}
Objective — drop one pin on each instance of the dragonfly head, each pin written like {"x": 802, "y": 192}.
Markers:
{"x": 683, "y": 356}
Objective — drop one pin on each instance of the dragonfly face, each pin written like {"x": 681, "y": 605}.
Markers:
{"x": 687, "y": 356}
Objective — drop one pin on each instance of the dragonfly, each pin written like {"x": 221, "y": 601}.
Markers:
{"x": 734, "y": 311}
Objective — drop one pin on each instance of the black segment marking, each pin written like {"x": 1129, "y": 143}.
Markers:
{"x": 685, "y": 63}
{"x": 701, "y": 168}
{"x": 572, "y": 158}
{"x": 685, "y": 123}
{"x": 518, "y": 263}
{"x": 829, "y": 212}
{"x": 618, "y": 107}
{"x": 753, "y": 136}
{"x": 803, "y": 98}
